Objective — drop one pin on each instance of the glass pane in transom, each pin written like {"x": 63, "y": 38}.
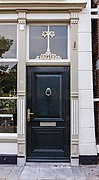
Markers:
{"x": 48, "y": 42}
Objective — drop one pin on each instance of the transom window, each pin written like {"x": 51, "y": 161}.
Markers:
{"x": 48, "y": 42}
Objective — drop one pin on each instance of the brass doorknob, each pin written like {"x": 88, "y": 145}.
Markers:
{"x": 29, "y": 115}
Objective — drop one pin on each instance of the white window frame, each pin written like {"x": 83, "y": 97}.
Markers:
{"x": 9, "y": 60}
{"x": 51, "y": 22}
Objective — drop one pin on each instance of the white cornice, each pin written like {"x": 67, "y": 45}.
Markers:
{"x": 41, "y": 6}
{"x": 31, "y": 1}
{"x": 35, "y": 1}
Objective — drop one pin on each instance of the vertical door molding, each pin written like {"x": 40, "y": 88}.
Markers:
{"x": 21, "y": 84}
{"x": 74, "y": 88}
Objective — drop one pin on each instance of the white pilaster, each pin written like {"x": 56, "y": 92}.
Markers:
{"x": 87, "y": 142}
{"x": 21, "y": 86}
{"x": 74, "y": 89}
{"x": 21, "y": 114}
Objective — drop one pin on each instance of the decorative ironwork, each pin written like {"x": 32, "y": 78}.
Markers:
{"x": 48, "y": 33}
{"x": 48, "y": 55}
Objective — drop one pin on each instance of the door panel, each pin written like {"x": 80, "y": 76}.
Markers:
{"x": 50, "y": 143}
{"x": 48, "y": 97}
{"x": 50, "y": 100}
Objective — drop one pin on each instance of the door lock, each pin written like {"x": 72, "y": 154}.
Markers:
{"x": 29, "y": 115}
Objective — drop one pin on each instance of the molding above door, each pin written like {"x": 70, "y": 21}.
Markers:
{"x": 50, "y": 6}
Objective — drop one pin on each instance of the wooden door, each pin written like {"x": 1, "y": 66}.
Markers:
{"x": 48, "y": 128}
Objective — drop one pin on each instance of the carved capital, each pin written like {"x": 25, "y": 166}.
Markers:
{"x": 74, "y": 15}
{"x": 74, "y": 18}
{"x": 21, "y": 20}
{"x": 74, "y": 21}
{"x": 22, "y": 24}
{"x": 21, "y": 14}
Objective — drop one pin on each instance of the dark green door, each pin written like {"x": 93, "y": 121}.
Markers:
{"x": 48, "y": 128}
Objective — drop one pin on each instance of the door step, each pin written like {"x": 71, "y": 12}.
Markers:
{"x": 44, "y": 164}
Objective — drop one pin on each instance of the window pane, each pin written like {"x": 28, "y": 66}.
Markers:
{"x": 54, "y": 40}
{"x": 37, "y": 44}
{"x": 8, "y": 116}
{"x": 8, "y": 41}
{"x": 8, "y": 79}
{"x": 58, "y": 44}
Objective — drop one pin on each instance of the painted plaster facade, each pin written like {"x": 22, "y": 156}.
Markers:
{"x": 77, "y": 14}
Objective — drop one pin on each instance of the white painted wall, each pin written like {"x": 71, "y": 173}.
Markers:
{"x": 8, "y": 144}
{"x": 8, "y": 148}
{"x": 87, "y": 142}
